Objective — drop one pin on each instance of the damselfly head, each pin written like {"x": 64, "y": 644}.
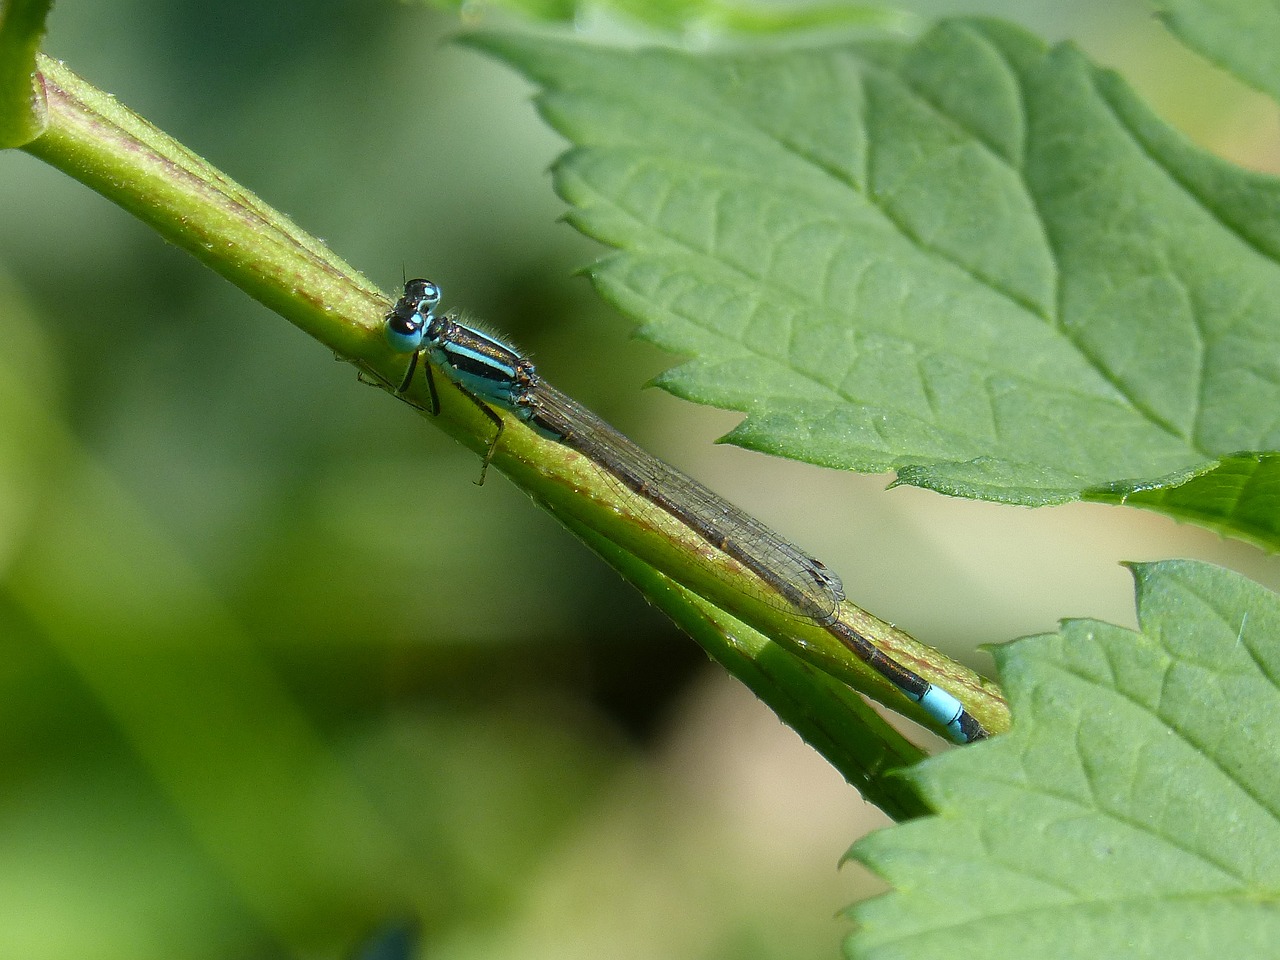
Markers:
{"x": 406, "y": 325}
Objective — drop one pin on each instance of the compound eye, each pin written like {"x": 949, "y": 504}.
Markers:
{"x": 425, "y": 292}
{"x": 404, "y": 331}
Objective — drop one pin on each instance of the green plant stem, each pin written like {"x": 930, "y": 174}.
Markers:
{"x": 99, "y": 142}
{"x": 573, "y": 488}
{"x": 22, "y": 107}
{"x": 191, "y": 204}
{"x": 827, "y": 714}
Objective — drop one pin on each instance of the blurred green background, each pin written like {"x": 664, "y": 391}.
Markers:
{"x": 274, "y": 670}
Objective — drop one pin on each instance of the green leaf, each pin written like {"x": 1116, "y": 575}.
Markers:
{"x": 688, "y": 16}
{"x": 1241, "y": 36}
{"x": 973, "y": 259}
{"x": 1239, "y": 496}
{"x": 1130, "y": 812}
